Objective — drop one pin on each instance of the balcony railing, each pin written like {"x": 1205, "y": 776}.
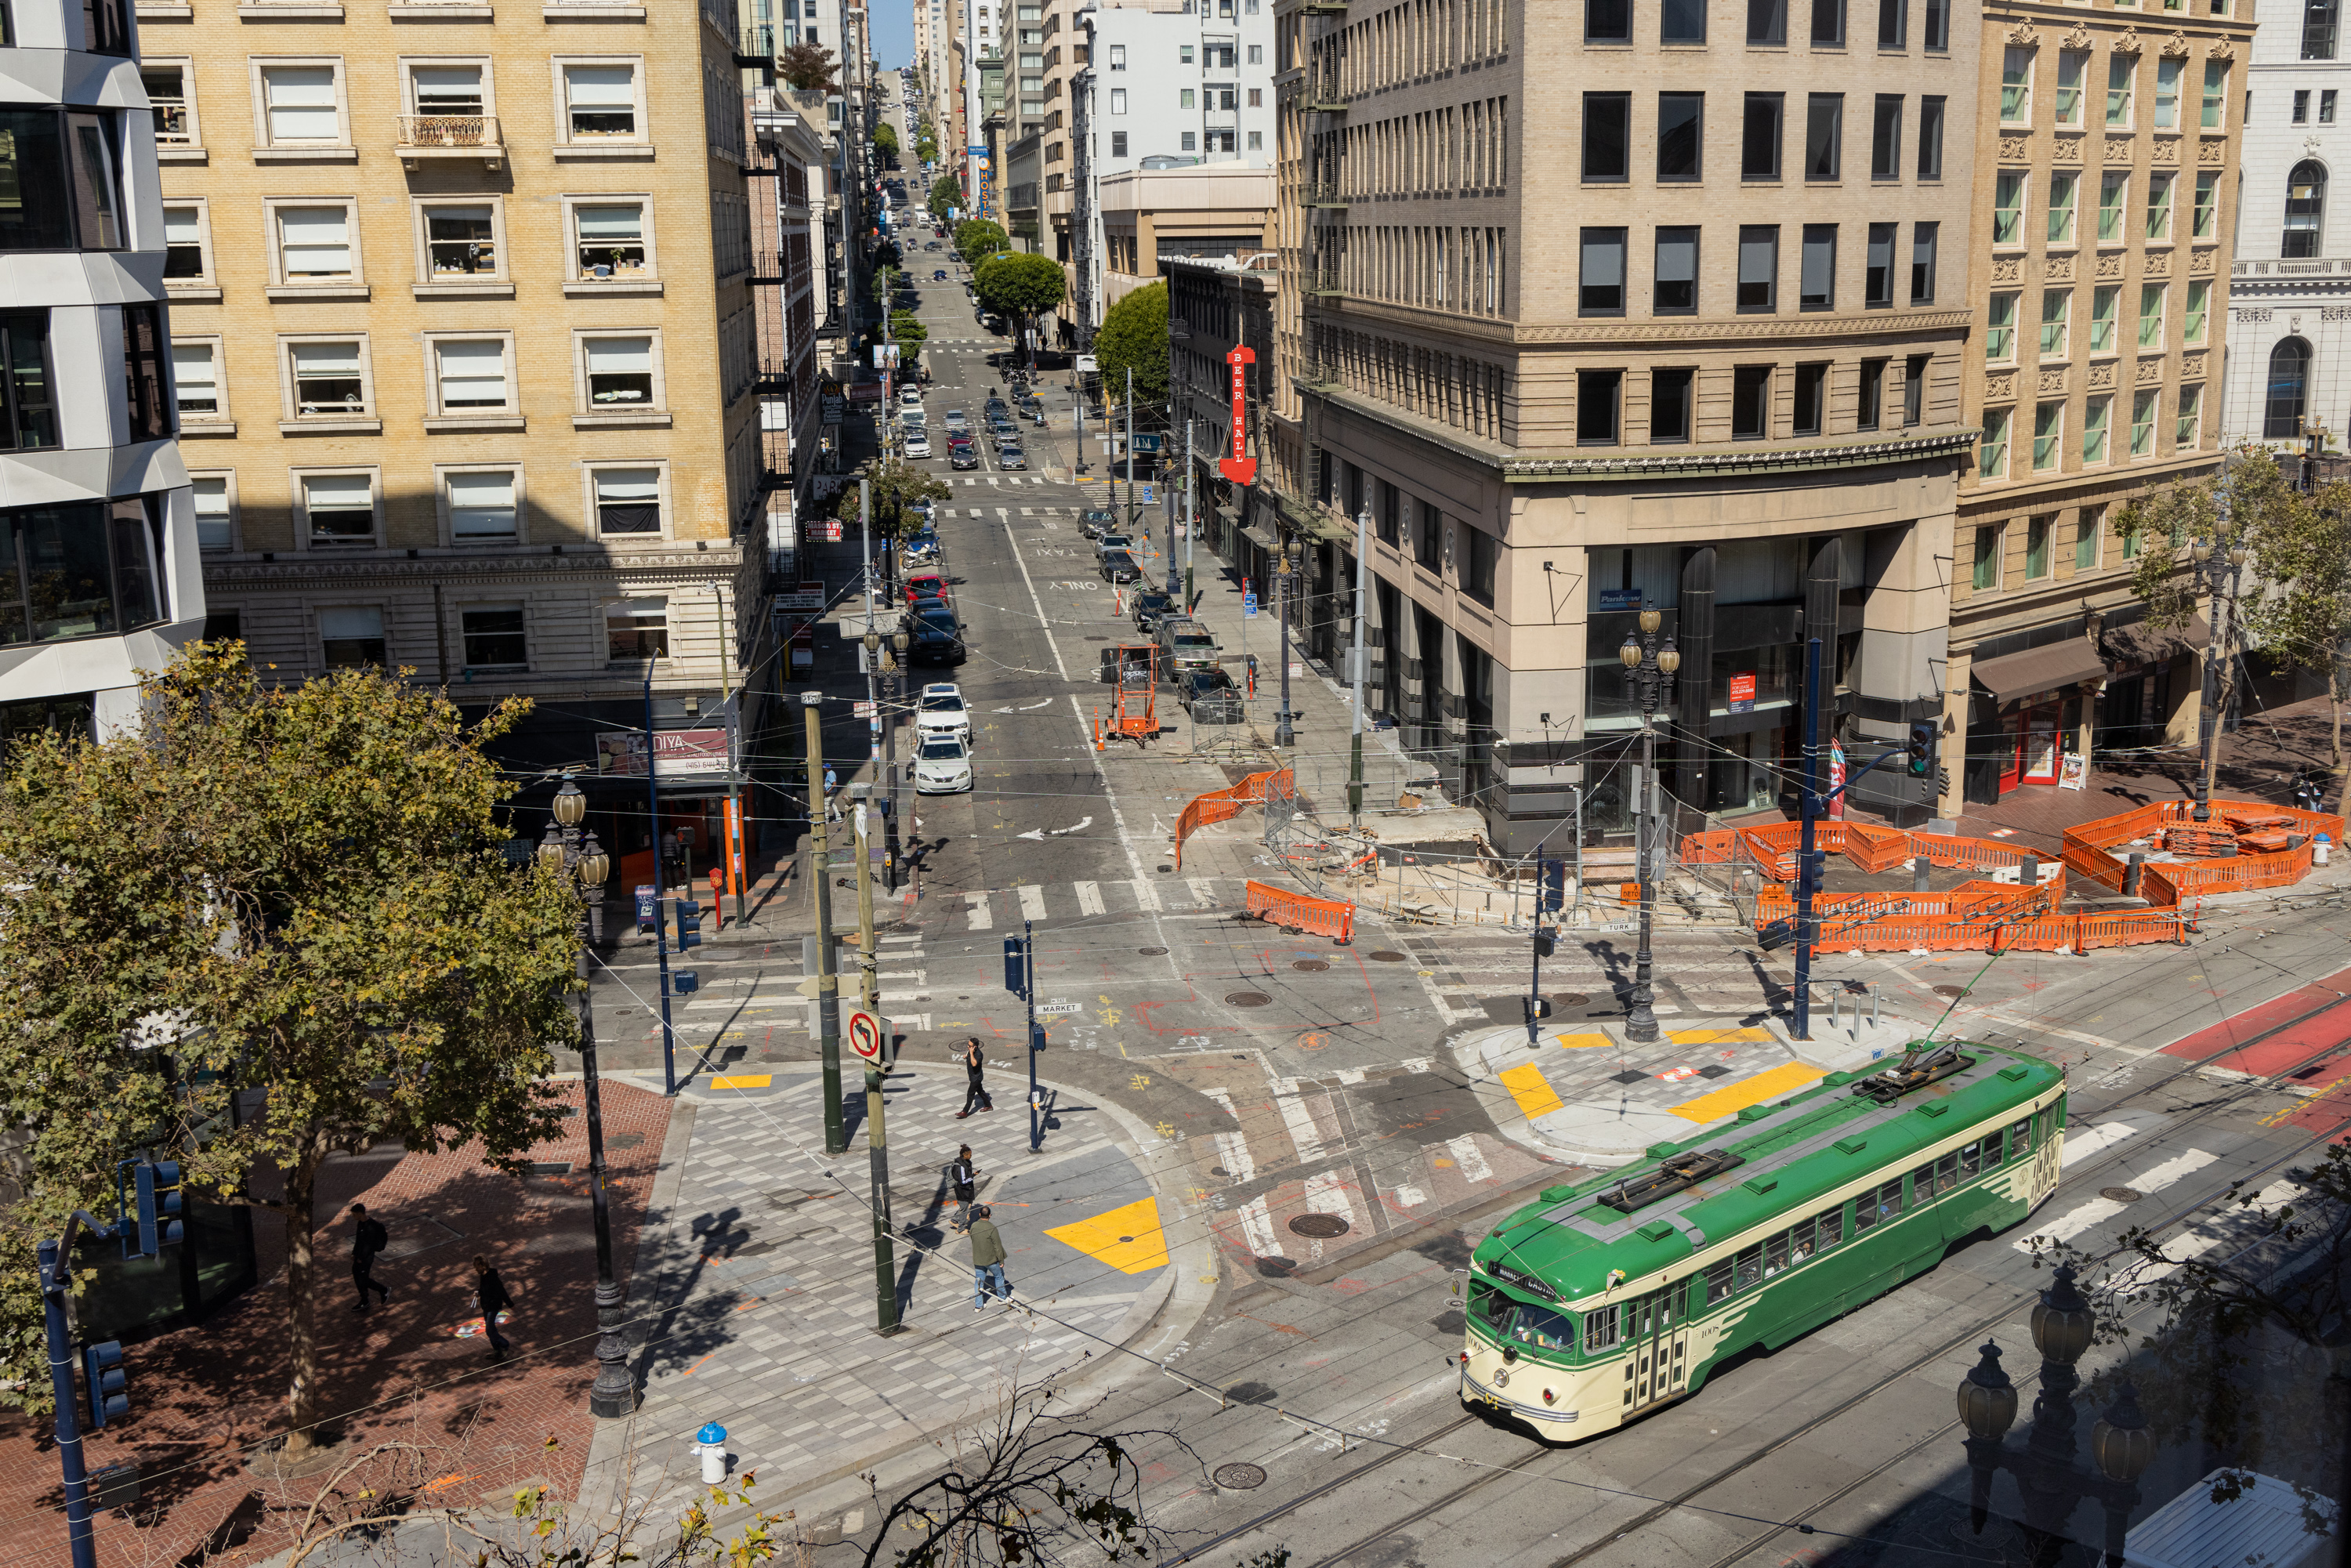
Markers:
{"x": 2311, "y": 268}
{"x": 450, "y": 136}
{"x": 1324, "y": 193}
{"x": 1321, "y": 93}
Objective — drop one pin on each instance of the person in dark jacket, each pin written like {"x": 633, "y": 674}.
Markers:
{"x": 963, "y": 1185}
{"x": 987, "y": 1261}
{"x": 368, "y": 1238}
{"x": 975, "y": 1096}
{"x": 490, "y": 1293}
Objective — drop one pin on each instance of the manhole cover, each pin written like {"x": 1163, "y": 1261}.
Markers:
{"x": 2121, "y": 1194}
{"x": 1153, "y": 952}
{"x": 1238, "y": 1478}
{"x": 1572, "y": 999}
{"x": 1628, "y": 1077}
{"x": 1218, "y": 1170}
{"x": 1250, "y": 1394}
{"x": 1321, "y": 1226}
{"x": 1126, "y": 1238}
{"x": 1168, "y": 868}
{"x": 1714, "y": 1070}
{"x": 1385, "y": 956}
{"x": 1310, "y": 965}
{"x": 1248, "y": 999}
{"x": 1953, "y": 992}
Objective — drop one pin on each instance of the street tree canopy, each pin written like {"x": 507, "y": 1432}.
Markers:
{"x": 807, "y": 68}
{"x": 906, "y": 330}
{"x": 1135, "y": 335}
{"x": 885, "y": 139}
{"x": 976, "y": 239}
{"x": 1021, "y": 285}
{"x": 942, "y": 199}
{"x": 300, "y": 889}
{"x": 896, "y": 488}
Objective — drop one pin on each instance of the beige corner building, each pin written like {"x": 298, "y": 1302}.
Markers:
{"x": 2106, "y": 199}
{"x": 465, "y": 348}
{"x": 1603, "y": 307}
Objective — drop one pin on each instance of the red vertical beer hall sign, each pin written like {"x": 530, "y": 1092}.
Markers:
{"x": 1240, "y": 468}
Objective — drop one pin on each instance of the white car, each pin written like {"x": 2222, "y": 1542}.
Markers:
{"x": 918, "y": 442}
{"x": 941, "y": 711}
{"x": 942, "y": 766}
{"x": 910, "y": 397}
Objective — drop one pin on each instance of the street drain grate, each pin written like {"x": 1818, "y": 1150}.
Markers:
{"x": 1310, "y": 965}
{"x": 1248, "y": 999}
{"x": 1572, "y": 999}
{"x": 1239, "y": 1477}
{"x": 1385, "y": 956}
{"x": 550, "y": 1168}
{"x": 1153, "y": 952}
{"x": 1628, "y": 1077}
{"x": 1252, "y": 1393}
{"x": 1953, "y": 992}
{"x": 1321, "y": 1226}
{"x": 2121, "y": 1194}
{"x": 1717, "y": 1070}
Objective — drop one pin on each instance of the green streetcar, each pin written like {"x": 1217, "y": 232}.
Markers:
{"x": 1609, "y": 1298}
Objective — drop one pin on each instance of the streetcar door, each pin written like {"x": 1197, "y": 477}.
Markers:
{"x": 1656, "y": 1328}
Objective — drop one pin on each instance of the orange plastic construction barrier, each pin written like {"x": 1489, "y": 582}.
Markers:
{"x": 1300, "y": 912}
{"x": 1223, "y": 805}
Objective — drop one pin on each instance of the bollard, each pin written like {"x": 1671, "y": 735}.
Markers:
{"x": 1918, "y": 870}
{"x": 1873, "y": 1006}
{"x": 2130, "y": 875}
{"x": 2319, "y": 848}
{"x": 2029, "y": 873}
{"x": 712, "y": 1441}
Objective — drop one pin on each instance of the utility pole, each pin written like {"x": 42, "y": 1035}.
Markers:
{"x": 828, "y": 985}
{"x": 877, "y": 1147}
{"x": 1130, "y": 446}
{"x": 1283, "y": 734}
{"x": 1355, "y": 674}
{"x": 871, "y": 645}
{"x": 1191, "y": 514}
{"x": 56, "y": 1283}
{"x": 661, "y": 894}
{"x": 1036, "y": 1112}
{"x": 1807, "y": 877}
{"x": 738, "y": 869}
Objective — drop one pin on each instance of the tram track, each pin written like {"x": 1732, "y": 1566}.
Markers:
{"x": 2192, "y": 1116}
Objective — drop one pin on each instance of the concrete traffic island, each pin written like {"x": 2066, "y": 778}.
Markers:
{"x": 1584, "y": 1093}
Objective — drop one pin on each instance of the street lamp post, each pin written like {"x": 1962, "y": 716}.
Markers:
{"x": 1649, "y": 680}
{"x": 1283, "y": 734}
{"x": 2217, "y": 572}
{"x": 2054, "y": 1485}
{"x": 614, "y": 1392}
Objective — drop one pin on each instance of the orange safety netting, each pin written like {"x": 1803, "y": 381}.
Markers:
{"x": 1223, "y": 805}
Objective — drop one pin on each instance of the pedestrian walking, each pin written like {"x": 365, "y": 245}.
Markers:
{"x": 490, "y": 1294}
{"x": 963, "y": 1185}
{"x": 368, "y": 1238}
{"x": 974, "y": 1097}
{"x": 987, "y": 1261}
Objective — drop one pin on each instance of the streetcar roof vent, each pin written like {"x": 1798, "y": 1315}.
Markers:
{"x": 1656, "y": 1230}
{"x": 1678, "y": 1173}
{"x": 1933, "y": 1108}
{"x": 1759, "y": 1185}
{"x": 1851, "y": 1145}
{"x": 2013, "y": 1074}
{"x": 1918, "y": 1068}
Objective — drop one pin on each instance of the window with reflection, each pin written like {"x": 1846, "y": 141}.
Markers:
{"x": 2305, "y": 210}
{"x": 28, "y": 412}
{"x": 2288, "y": 389}
{"x": 60, "y": 188}
{"x": 78, "y": 569}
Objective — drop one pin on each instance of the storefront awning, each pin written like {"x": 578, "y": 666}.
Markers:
{"x": 2037, "y": 669}
{"x": 2142, "y": 644}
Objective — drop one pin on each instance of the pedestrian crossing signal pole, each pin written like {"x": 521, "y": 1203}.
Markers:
{"x": 1021, "y": 979}
{"x": 877, "y": 1142}
{"x": 828, "y": 984}
{"x": 1808, "y": 874}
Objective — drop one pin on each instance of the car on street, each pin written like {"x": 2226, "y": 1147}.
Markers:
{"x": 938, "y": 274}
{"x": 942, "y": 766}
{"x": 941, "y": 711}
{"x": 1113, "y": 540}
{"x": 1117, "y": 566}
{"x": 1210, "y": 696}
{"x": 926, "y": 585}
{"x": 933, "y": 637}
{"x": 1183, "y": 644}
{"x": 1012, "y": 458}
{"x": 958, "y": 419}
{"x": 918, "y": 444}
{"x": 1149, "y": 608}
{"x": 963, "y": 457}
{"x": 910, "y": 397}
{"x": 1096, "y": 521}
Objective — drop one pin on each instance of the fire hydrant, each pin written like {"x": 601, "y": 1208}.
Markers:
{"x": 712, "y": 1441}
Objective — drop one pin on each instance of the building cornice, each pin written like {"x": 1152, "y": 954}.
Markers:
{"x": 1736, "y": 463}
{"x": 698, "y": 566}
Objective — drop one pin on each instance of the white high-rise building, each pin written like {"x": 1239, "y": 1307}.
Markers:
{"x": 98, "y": 528}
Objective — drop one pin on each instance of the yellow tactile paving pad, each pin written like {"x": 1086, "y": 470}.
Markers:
{"x": 1733, "y": 1098}
{"x": 1531, "y": 1090}
{"x": 1582, "y": 1041}
{"x": 1719, "y": 1036}
{"x": 745, "y": 1081}
{"x": 1129, "y": 1240}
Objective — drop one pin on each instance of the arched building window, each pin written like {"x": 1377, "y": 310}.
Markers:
{"x": 2305, "y": 210}
{"x": 2318, "y": 21}
{"x": 2288, "y": 391}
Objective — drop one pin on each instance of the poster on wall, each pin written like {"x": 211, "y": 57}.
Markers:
{"x": 1620, "y": 599}
{"x": 1742, "y": 692}
{"x": 2074, "y": 772}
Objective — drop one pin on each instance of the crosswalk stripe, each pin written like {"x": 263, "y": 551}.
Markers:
{"x": 1232, "y": 1153}
{"x": 1257, "y": 1227}
{"x": 1090, "y": 901}
{"x": 1466, "y": 1156}
{"x": 1146, "y": 893}
{"x": 981, "y": 920}
{"x": 1300, "y": 1121}
{"x": 1325, "y": 1194}
{"x": 1032, "y": 902}
{"x": 2098, "y": 1210}
{"x": 1204, "y": 891}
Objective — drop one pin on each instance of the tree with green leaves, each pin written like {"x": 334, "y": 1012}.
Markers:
{"x": 906, "y": 330}
{"x": 1022, "y": 285}
{"x": 300, "y": 889}
{"x": 885, "y": 139}
{"x": 2294, "y": 589}
{"x": 808, "y": 67}
{"x": 1133, "y": 335}
{"x": 943, "y": 198}
{"x": 977, "y": 239}
{"x": 897, "y": 487}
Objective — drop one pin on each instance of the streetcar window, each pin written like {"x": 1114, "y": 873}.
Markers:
{"x": 1831, "y": 1228}
{"x": 1922, "y": 1183}
{"x": 1872, "y": 1206}
{"x": 1947, "y": 1173}
{"x": 1775, "y": 1255}
{"x": 1718, "y": 1281}
{"x": 1800, "y": 1242}
{"x": 1600, "y": 1329}
{"x": 1971, "y": 1162}
{"x": 1543, "y": 1329}
{"x": 2019, "y": 1139}
{"x": 1750, "y": 1270}
{"x": 1490, "y": 1307}
{"x": 1991, "y": 1151}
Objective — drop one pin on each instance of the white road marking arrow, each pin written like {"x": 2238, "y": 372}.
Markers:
{"x": 1038, "y": 833}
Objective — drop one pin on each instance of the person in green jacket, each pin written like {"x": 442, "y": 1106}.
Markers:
{"x": 987, "y": 1261}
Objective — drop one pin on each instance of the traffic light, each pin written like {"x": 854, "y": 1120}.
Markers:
{"x": 1922, "y": 747}
{"x": 155, "y": 1208}
{"x": 689, "y": 923}
{"x": 1016, "y": 967}
{"x": 1036, "y": 1036}
{"x": 1554, "y": 887}
{"x": 109, "y": 1383}
{"x": 1810, "y": 870}
{"x": 1776, "y": 935}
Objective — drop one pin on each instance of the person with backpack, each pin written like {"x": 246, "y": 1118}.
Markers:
{"x": 962, "y": 1185}
{"x": 490, "y": 1295}
{"x": 975, "y": 1091}
{"x": 987, "y": 1261}
{"x": 368, "y": 1238}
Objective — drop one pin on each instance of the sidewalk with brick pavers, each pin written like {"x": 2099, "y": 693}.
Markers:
{"x": 205, "y": 1399}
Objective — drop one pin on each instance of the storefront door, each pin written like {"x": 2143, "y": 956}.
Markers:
{"x": 2039, "y": 763}
{"x": 2012, "y": 756}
